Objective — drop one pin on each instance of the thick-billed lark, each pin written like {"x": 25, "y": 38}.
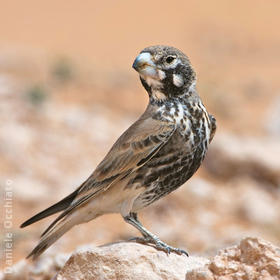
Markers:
{"x": 153, "y": 157}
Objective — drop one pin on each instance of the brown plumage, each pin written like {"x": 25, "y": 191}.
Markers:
{"x": 153, "y": 157}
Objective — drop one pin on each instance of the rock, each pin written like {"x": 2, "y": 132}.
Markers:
{"x": 232, "y": 156}
{"x": 252, "y": 259}
{"x": 128, "y": 260}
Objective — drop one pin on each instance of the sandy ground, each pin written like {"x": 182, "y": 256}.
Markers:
{"x": 67, "y": 91}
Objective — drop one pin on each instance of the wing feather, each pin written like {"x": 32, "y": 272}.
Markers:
{"x": 135, "y": 147}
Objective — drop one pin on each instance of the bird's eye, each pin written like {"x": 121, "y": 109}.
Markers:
{"x": 170, "y": 59}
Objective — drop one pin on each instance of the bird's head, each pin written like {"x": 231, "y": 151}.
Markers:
{"x": 165, "y": 72}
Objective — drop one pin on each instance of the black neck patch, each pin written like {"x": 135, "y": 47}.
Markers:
{"x": 185, "y": 72}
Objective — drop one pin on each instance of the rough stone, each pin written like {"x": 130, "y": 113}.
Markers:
{"x": 252, "y": 259}
{"x": 234, "y": 156}
{"x": 127, "y": 260}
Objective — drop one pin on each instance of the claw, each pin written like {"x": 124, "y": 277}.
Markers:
{"x": 149, "y": 238}
{"x": 160, "y": 245}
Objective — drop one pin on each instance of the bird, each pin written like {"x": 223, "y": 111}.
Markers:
{"x": 155, "y": 156}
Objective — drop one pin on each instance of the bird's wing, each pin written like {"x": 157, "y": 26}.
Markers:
{"x": 136, "y": 146}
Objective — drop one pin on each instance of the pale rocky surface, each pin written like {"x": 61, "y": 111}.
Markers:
{"x": 128, "y": 260}
{"x": 251, "y": 259}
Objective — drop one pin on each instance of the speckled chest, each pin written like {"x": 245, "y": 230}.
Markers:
{"x": 190, "y": 118}
{"x": 181, "y": 156}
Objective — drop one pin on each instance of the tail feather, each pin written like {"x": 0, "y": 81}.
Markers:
{"x": 64, "y": 222}
{"x": 59, "y": 206}
{"x": 66, "y": 212}
{"x": 58, "y": 230}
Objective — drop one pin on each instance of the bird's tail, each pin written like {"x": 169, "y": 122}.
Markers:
{"x": 51, "y": 236}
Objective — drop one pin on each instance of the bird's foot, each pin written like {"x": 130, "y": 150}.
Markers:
{"x": 160, "y": 245}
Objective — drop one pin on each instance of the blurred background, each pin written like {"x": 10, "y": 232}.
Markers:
{"x": 67, "y": 91}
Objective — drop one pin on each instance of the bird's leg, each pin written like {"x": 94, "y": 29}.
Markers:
{"x": 149, "y": 237}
